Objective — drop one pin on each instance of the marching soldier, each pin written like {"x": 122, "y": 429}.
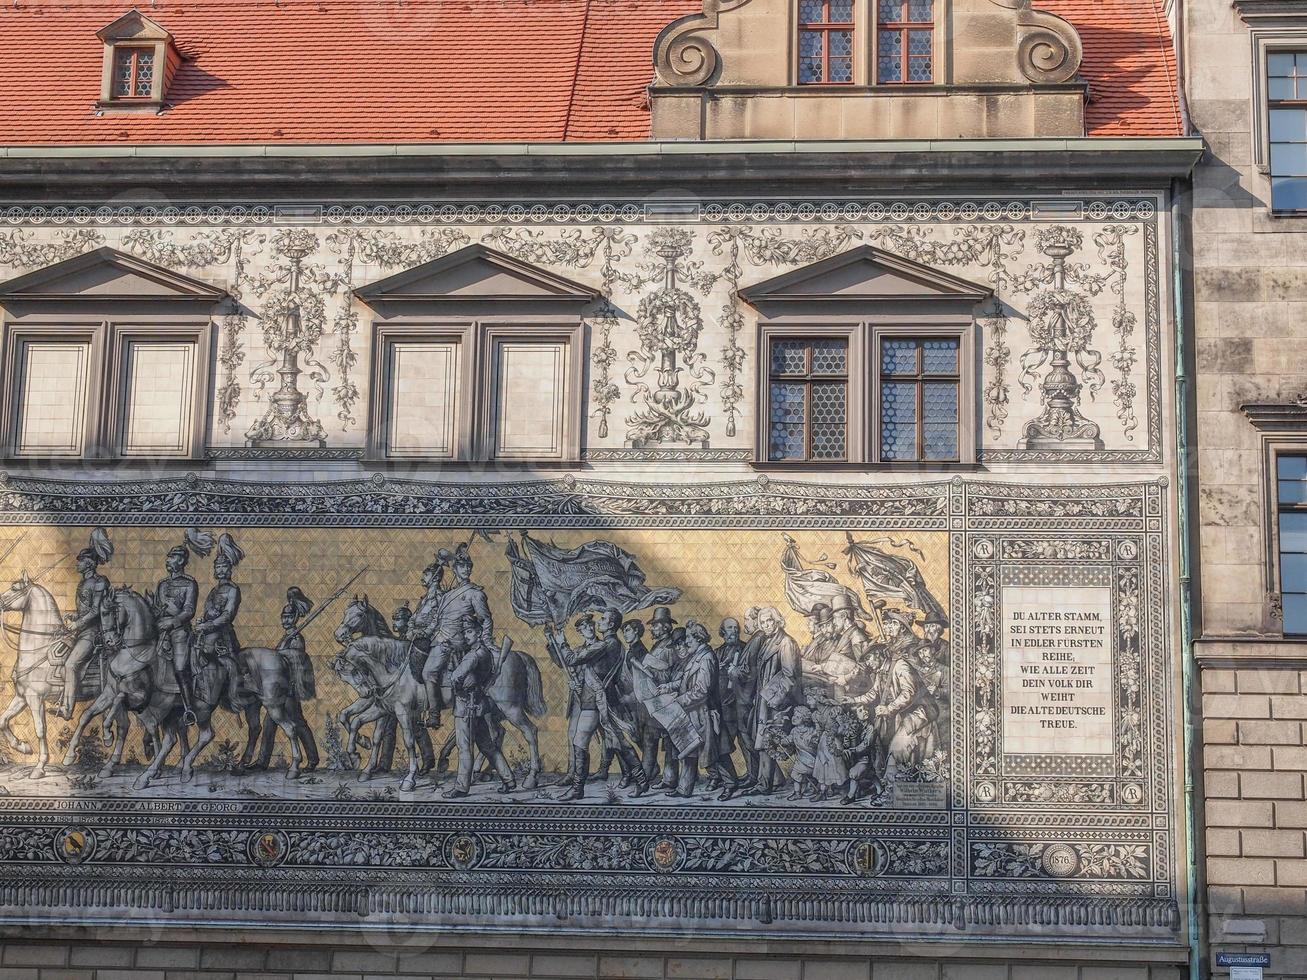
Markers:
{"x": 303, "y": 686}
{"x": 476, "y": 720}
{"x": 175, "y": 599}
{"x": 400, "y": 620}
{"x": 597, "y": 702}
{"x": 441, "y": 626}
{"x": 84, "y": 624}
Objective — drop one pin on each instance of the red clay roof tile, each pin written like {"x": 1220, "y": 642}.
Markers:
{"x": 350, "y": 71}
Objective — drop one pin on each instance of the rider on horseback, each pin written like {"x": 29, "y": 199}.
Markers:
{"x": 215, "y": 634}
{"x": 84, "y": 625}
{"x": 175, "y": 599}
{"x": 439, "y": 618}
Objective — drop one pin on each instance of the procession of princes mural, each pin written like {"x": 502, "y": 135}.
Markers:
{"x": 834, "y": 700}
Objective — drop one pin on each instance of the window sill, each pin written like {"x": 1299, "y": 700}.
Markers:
{"x": 867, "y": 467}
{"x": 1251, "y": 651}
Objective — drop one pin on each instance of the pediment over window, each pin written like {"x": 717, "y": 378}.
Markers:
{"x": 477, "y": 275}
{"x": 133, "y": 26}
{"x": 866, "y": 275}
{"x": 108, "y": 274}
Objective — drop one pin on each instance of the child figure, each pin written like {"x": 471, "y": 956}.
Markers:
{"x": 803, "y": 739}
{"x": 829, "y": 769}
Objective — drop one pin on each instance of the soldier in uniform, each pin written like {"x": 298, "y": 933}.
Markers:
{"x": 84, "y": 624}
{"x": 303, "y": 686}
{"x": 597, "y": 700}
{"x": 215, "y": 634}
{"x": 476, "y": 720}
{"x": 400, "y": 620}
{"x": 175, "y": 598}
{"x": 441, "y": 625}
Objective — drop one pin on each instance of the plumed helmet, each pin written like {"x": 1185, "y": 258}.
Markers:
{"x": 229, "y": 551}
{"x": 100, "y": 548}
{"x": 297, "y": 603}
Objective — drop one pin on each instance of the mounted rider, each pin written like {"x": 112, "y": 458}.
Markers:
{"x": 215, "y": 634}
{"x": 439, "y": 620}
{"x": 84, "y": 624}
{"x": 175, "y": 600}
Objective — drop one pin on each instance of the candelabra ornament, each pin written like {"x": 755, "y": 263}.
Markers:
{"x": 669, "y": 322}
{"x": 1061, "y": 328}
{"x": 288, "y": 333}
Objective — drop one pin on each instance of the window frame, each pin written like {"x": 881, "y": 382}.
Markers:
{"x": 134, "y": 51}
{"x": 106, "y": 412}
{"x": 474, "y": 433}
{"x": 1278, "y": 452}
{"x": 967, "y": 413}
{"x": 852, "y": 361}
{"x": 825, "y": 29}
{"x": 902, "y": 28}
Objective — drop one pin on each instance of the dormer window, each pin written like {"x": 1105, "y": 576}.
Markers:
{"x": 904, "y": 42}
{"x": 139, "y": 61}
{"x": 825, "y": 42}
{"x": 133, "y": 72}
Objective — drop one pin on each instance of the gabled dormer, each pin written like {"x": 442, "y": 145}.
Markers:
{"x": 867, "y": 69}
{"x": 140, "y": 59}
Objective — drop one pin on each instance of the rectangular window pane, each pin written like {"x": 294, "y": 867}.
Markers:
{"x": 1289, "y": 159}
{"x": 1293, "y": 492}
{"x": 898, "y": 357}
{"x": 1280, "y": 88}
{"x": 939, "y": 356}
{"x": 158, "y": 398}
{"x": 939, "y": 402}
{"x": 810, "y": 12}
{"x": 919, "y": 11}
{"x": 1293, "y": 532}
{"x": 1292, "y": 467}
{"x": 1293, "y": 572}
{"x": 1279, "y": 64}
{"x": 423, "y": 399}
{"x": 841, "y": 11}
{"x": 1289, "y": 193}
{"x": 941, "y": 441}
{"x": 1295, "y": 614}
{"x": 898, "y": 442}
{"x": 530, "y": 412}
{"x": 53, "y": 396}
{"x": 1288, "y": 125}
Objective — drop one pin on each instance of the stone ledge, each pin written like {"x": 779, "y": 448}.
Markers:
{"x": 1272, "y": 652}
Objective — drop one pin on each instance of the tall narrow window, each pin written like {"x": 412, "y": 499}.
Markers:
{"x": 1292, "y": 499}
{"x": 919, "y": 383}
{"x": 905, "y": 42}
{"x": 808, "y": 399}
{"x": 54, "y": 384}
{"x": 1286, "y": 81}
{"x": 422, "y": 399}
{"x": 825, "y": 42}
{"x": 158, "y": 398}
{"x": 530, "y": 409}
{"x": 133, "y": 73}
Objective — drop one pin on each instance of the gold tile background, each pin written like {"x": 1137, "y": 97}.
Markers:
{"x": 720, "y": 573}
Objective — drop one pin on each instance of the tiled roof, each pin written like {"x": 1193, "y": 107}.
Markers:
{"x": 331, "y": 71}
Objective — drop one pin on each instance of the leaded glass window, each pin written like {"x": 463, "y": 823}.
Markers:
{"x": 904, "y": 42}
{"x": 808, "y": 399}
{"x": 133, "y": 73}
{"x": 825, "y": 42}
{"x": 919, "y": 388}
{"x": 1286, "y": 89}
{"x": 1291, "y": 481}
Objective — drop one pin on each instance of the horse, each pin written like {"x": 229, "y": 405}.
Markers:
{"x": 137, "y": 679}
{"x": 377, "y": 667}
{"x": 516, "y": 690}
{"x": 40, "y": 629}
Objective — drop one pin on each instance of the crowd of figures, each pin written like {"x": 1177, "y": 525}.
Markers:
{"x": 740, "y": 710}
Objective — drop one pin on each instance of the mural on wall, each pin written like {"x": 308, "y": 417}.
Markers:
{"x": 1070, "y": 355}
{"x": 748, "y": 705}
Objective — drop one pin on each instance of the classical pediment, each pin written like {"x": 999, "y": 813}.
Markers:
{"x": 133, "y": 26}
{"x": 107, "y": 274}
{"x": 476, "y": 274}
{"x": 867, "y": 274}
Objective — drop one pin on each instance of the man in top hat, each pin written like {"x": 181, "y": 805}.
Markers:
{"x": 597, "y": 705}
{"x": 84, "y": 624}
{"x": 215, "y": 634}
{"x": 476, "y": 720}
{"x": 442, "y": 626}
{"x": 850, "y": 640}
{"x": 780, "y": 688}
{"x": 819, "y": 647}
{"x": 932, "y": 655}
{"x": 907, "y": 711}
{"x": 175, "y": 599}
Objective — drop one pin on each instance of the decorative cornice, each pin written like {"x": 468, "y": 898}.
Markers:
{"x": 1277, "y": 416}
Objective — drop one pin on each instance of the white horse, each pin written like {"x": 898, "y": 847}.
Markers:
{"x": 40, "y": 629}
